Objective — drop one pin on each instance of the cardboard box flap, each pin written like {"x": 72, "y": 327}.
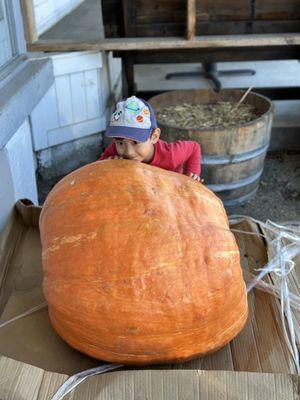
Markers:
{"x": 23, "y": 381}
{"x": 29, "y": 213}
{"x": 21, "y": 283}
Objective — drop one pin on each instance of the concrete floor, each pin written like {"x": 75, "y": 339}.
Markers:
{"x": 278, "y": 195}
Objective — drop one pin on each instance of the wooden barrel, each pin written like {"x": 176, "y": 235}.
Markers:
{"x": 232, "y": 158}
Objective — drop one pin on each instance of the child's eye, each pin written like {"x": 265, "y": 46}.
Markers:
{"x": 134, "y": 142}
{"x": 119, "y": 143}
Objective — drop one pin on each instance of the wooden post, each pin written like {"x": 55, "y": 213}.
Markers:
{"x": 129, "y": 18}
{"x": 191, "y": 19}
{"x": 128, "y": 74}
{"x": 30, "y": 31}
{"x": 127, "y": 59}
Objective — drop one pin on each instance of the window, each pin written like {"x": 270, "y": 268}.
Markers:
{"x": 8, "y": 41}
{"x": 1, "y": 12}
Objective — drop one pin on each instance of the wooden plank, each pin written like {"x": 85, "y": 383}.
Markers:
{"x": 27, "y": 8}
{"x": 64, "y": 99}
{"x": 128, "y": 74}
{"x": 129, "y": 18}
{"x": 162, "y": 17}
{"x": 127, "y": 60}
{"x": 112, "y": 18}
{"x": 164, "y": 29}
{"x": 154, "y": 8}
{"x": 126, "y": 21}
{"x": 275, "y": 26}
{"x": 92, "y": 93}
{"x": 214, "y": 55}
{"x": 79, "y": 101}
{"x": 191, "y": 19}
{"x": 203, "y": 42}
{"x": 43, "y": 118}
{"x": 277, "y": 9}
{"x": 169, "y": 29}
{"x": 220, "y": 10}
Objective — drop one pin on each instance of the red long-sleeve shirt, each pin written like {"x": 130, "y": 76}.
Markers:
{"x": 180, "y": 156}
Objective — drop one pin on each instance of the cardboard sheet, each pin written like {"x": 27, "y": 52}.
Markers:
{"x": 23, "y": 381}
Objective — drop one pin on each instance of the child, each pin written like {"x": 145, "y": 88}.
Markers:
{"x": 135, "y": 136}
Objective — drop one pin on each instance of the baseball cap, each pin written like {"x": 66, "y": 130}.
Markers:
{"x": 132, "y": 119}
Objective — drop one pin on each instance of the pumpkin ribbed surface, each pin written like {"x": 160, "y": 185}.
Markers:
{"x": 140, "y": 265}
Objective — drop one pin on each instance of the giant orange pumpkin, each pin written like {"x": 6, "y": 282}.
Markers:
{"x": 140, "y": 265}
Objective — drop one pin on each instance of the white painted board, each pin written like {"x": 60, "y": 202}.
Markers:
{"x": 17, "y": 166}
{"x": 76, "y": 105}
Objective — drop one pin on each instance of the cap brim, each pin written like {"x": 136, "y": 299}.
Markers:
{"x": 137, "y": 134}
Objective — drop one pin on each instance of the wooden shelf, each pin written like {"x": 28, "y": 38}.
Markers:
{"x": 82, "y": 29}
{"x": 49, "y": 43}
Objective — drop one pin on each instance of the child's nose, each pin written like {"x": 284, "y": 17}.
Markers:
{"x": 129, "y": 152}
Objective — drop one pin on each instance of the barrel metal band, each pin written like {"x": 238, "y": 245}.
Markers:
{"x": 233, "y": 159}
{"x": 240, "y": 200}
{"x": 235, "y": 185}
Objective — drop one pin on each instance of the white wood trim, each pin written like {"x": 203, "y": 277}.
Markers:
{"x": 76, "y": 62}
{"x": 76, "y": 131}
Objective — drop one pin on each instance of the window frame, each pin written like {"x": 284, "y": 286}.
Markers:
{"x": 13, "y": 17}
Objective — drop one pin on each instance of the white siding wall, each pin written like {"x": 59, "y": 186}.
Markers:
{"x": 17, "y": 168}
{"x": 115, "y": 73}
{"x": 48, "y": 12}
{"x": 76, "y": 105}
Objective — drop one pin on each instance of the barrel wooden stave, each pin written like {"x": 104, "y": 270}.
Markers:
{"x": 227, "y": 173}
{"x": 239, "y": 196}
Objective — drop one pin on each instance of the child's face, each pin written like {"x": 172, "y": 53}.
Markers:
{"x": 137, "y": 151}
